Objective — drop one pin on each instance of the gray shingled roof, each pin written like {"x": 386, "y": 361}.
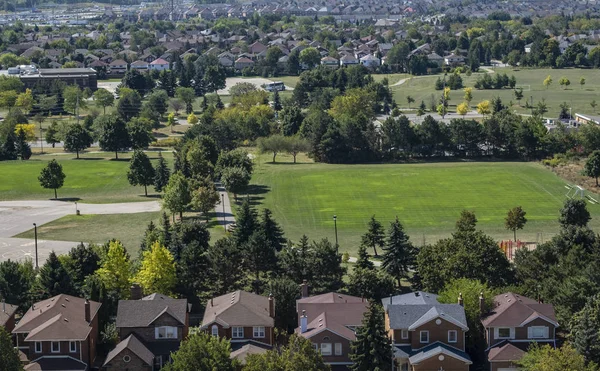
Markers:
{"x": 405, "y": 316}
{"x": 436, "y": 349}
{"x": 142, "y": 313}
{"x": 132, "y": 343}
{"x": 413, "y": 298}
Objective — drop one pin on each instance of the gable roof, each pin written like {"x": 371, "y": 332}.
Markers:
{"x": 436, "y": 349}
{"x": 135, "y": 345}
{"x": 512, "y": 310}
{"x": 239, "y": 308}
{"x": 413, "y": 316}
{"x": 118, "y": 62}
{"x": 413, "y": 298}
{"x": 159, "y": 61}
{"x": 7, "y": 311}
{"x": 328, "y": 321}
{"x": 330, "y": 298}
{"x": 244, "y": 351}
{"x": 142, "y": 313}
{"x": 56, "y": 363}
{"x": 506, "y": 352}
{"x": 61, "y": 317}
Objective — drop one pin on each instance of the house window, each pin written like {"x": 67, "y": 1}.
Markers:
{"x": 404, "y": 334}
{"x": 424, "y": 337}
{"x": 504, "y": 333}
{"x": 538, "y": 332}
{"x": 165, "y": 332}
{"x": 259, "y": 331}
{"x": 72, "y": 346}
{"x": 38, "y": 346}
{"x": 338, "y": 349}
{"x": 452, "y": 336}
{"x": 326, "y": 349}
{"x": 237, "y": 332}
{"x": 316, "y": 346}
{"x": 55, "y": 347}
{"x": 215, "y": 330}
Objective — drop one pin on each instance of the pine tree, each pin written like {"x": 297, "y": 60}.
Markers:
{"x": 54, "y": 279}
{"x": 165, "y": 225}
{"x": 371, "y": 351}
{"x": 246, "y": 223}
{"x": 9, "y": 356}
{"x": 225, "y": 260}
{"x": 22, "y": 147}
{"x": 8, "y": 148}
{"x": 277, "y": 101}
{"x": 375, "y": 235}
{"x": 272, "y": 230}
{"x": 260, "y": 256}
{"x": 398, "y": 252}
{"x": 585, "y": 327}
{"x": 363, "y": 261}
{"x": 140, "y": 171}
{"x": 161, "y": 174}
{"x": 204, "y": 104}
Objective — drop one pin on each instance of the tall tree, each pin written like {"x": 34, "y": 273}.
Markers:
{"x": 285, "y": 292}
{"x": 161, "y": 174}
{"x": 157, "y": 271}
{"x": 205, "y": 197}
{"x": 398, "y": 253}
{"x": 327, "y": 271}
{"x": 226, "y": 258}
{"x": 260, "y": 256}
{"x": 371, "y": 284}
{"x": 83, "y": 261}
{"x": 375, "y": 236}
{"x": 574, "y": 213}
{"x": 515, "y": 219}
{"x": 592, "y": 166}
{"x": 585, "y": 330}
{"x": 9, "y": 355}
{"x": 235, "y": 180}
{"x": 52, "y": 176}
{"x": 371, "y": 351}
{"x": 363, "y": 262}
{"x": 272, "y": 230}
{"x": 77, "y": 139}
{"x": 202, "y": 352}
{"x": 112, "y": 134}
{"x": 140, "y": 171}
{"x": 193, "y": 268}
{"x": 16, "y": 282}
{"x": 177, "y": 194}
{"x": 104, "y": 98}
{"x": 115, "y": 269}
{"x": 54, "y": 279}
{"x": 139, "y": 130}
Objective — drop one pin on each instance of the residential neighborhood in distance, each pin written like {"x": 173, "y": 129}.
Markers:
{"x": 299, "y": 186}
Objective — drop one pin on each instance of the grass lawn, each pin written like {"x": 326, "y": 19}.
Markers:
{"x": 579, "y": 97}
{"x": 95, "y": 178}
{"x": 427, "y": 198}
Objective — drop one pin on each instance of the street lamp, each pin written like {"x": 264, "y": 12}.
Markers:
{"x": 36, "y": 247}
{"x": 223, "y": 202}
{"x": 335, "y": 227}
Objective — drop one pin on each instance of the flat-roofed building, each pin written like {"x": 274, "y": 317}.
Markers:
{"x": 83, "y": 77}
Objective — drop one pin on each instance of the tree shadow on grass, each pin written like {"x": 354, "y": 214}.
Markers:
{"x": 89, "y": 158}
{"x": 253, "y": 194}
{"x": 66, "y": 199}
{"x": 156, "y": 195}
{"x": 120, "y": 159}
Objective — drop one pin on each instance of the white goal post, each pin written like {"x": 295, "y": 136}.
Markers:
{"x": 576, "y": 192}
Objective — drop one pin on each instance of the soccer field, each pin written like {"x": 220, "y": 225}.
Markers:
{"x": 427, "y": 198}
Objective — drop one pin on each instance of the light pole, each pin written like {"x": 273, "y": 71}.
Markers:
{"x": 335, "y": 227}
{"x": 36, "y": 247}
{"x": 223, "y": 202}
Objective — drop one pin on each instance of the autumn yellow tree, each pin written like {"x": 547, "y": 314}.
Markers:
{"x": 192, "y": 119}
{"x": 468, "y": 95}
{"x": 483, "y": 108}
{"x": 28, "y": 129}
{"x": 115, "y": 269}
{"x": 548, "y": 81}
{"x": 157, "y": 273}
{"x": 25, "y": 100}
{"x": 462, "y": 109}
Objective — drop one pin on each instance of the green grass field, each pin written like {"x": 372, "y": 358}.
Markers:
{"x": 421, "y": 88}
{"x": 427, "y": 198}
{"x": 95, "y": 178}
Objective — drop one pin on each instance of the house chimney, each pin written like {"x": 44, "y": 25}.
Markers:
{"x": 271, "y": 306}
{"x": 481, "y": 303}
{"x": 303, "y": 322}
{"x": 87, "y": 311}
{"x": 304, "y": 289}
{"x": 135, "y": 291}
{"x": 460, "y": 299}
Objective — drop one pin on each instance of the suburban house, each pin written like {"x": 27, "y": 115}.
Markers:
{"x": 242, "y": 63}
{"x": 370, "y": 61}
{"x": 514, "y": 323}
{"x": 454, "y": 60}
{"x": 140, "y": 65}
{"x": 426, "y": 334}
{"x": 7, "y": 316}
{"x": 159, "y": 65}
{"x": 59, "y": 333}
{"x": 150, "y": 328}
{"x": 348, "y": 60}
{"x": 118, "y": 66}
{"x": 242, "y": 317}
{"x": 330, "y": 62}
{"x": 329, "y": 321}
{"x": 587, "y": 119}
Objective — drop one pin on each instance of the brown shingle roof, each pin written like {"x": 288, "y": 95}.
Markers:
{"x": 59, "y": 318}
{"x": 132, "y": 343}
{"x": 349, "y": 309}
{"x": 244, "y": 351}
{"x": 507, "y": 352}
{"x": 331, "y": 297}
{"x": 142, "y": 313}
{"x": 332, "y": 321}
{"x": 239, "y": 308}
{"x": 512, "y": 310}
{"x": 6, "y": 312}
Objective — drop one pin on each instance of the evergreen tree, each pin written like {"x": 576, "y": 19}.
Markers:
{"x": 194, "y": 264}
{"x": 363, "y": 261}
{"x": 398, "y": 252}
{"x": 277, "y": 101}
{"x": 165, "y": 225}
{"x": 54, "y": 279}
{"x": 246, "y": 223}
{"x": 83, "y": 262}
{"x": 161, "y": 174}
{"x": 140, "y": 171}
{"x": 585, "y": 330}
{"x": 371, "y": 351}
{"x": 272, "y": 230}
{"x": 295, "y": 261}
{"x": 8, "y": 151}
{"x": 326, "y": 266}
{"x": 9, "y": 355}
{"x": 22, "y": 147}
{"x": 259, "y": 256}
{"x": 375, "y": 236}
{"x": 225, "y": 258}
{"x": 574, "y": 213}
{"x": 16, "y": 282}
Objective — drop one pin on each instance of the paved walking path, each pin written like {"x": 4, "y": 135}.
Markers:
{"x": 223, "y": 210}
{"x": 18, "y": 217}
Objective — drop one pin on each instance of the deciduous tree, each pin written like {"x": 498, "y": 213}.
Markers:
{"x": 116, "y": 269}
{"x": 157, "y": 271}
{"x": 77, "y": 139}
{"x": 298, "y": 355}
{"x": 202, "y": 352}
{"x": 52, "y": 176}
{"x": 574, "y": 213}
{"x": 235, "y": 180}
{"x": 112, "y": 134}
{"x": 592, "y": 166}
{"x": 140, "y": 171}
{"x": 205, "y": 197}
{"x": 9, "y": 355}
{"x": 104, "y": 98}
{"x": 177, "y": 194}
{"x": 547, "y": 358}
{"x": 515, "y": 219}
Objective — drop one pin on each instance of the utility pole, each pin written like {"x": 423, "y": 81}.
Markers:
{"x": 77, "y": 108}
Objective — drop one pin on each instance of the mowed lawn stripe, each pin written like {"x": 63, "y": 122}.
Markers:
{"x": 427, "y": 198}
